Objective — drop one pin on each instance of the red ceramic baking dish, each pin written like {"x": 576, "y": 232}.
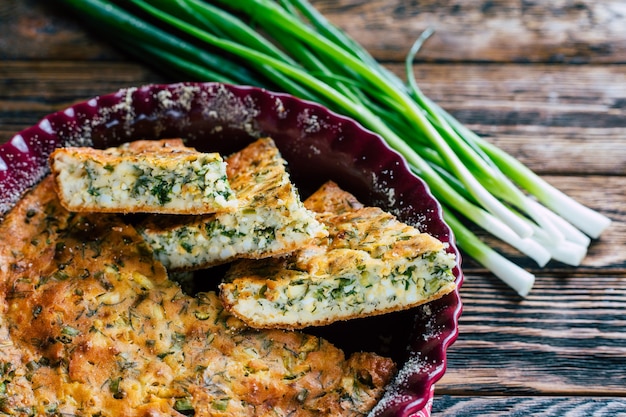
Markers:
{"x": 318, "y": 145}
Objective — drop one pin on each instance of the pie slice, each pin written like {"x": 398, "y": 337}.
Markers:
{"x": 270, "y": 220}
{"x": 143, "y": 177}
{"x": 370, "y": 264}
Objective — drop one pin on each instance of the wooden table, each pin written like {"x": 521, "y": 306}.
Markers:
{"x": 545, "y": 81}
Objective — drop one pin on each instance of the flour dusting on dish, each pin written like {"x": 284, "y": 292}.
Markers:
{"x": 395, "y": 392}
{"x": 230, "y": 110}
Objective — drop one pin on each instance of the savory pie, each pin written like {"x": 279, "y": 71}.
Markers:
{"x": 90, "y": 325}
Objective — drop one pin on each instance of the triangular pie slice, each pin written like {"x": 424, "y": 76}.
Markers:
{"x": 370, "y": 264}
{"x": 271, "y": 219}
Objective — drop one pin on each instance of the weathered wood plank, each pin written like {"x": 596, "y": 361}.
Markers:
{"x": 557, "y": 120}
{"x": 583, "y": 31}
{"x": 451, "y": 406}
{"x": 566, "y": 338}
{"x": 41, "y": 29}
{"x": 545, "y": 115}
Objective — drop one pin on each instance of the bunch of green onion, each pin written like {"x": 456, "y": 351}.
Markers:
{"x": 287, "y": 45}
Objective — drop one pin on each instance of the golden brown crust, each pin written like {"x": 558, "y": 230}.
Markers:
{"x": 257, "y": 173}
{"x": 161, "y": 145}
{"x": 333, "y": 199}
{"x": 134, "y": 147}
{"x": 91, "y": 325}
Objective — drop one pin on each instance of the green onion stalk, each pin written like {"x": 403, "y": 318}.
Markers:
{"x": 287, "y": 45}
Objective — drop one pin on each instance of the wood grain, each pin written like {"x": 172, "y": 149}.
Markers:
{"x": 30, "y": 90}
{"x": 561, "y": 31}
{"x": 565, "y": 338}
{"x": 582, "y": 161}
{"x": 511, "y": 406}
{"x": 41, "y": 29}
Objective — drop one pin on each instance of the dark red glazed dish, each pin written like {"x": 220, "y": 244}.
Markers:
{"x": 319, "y": 145}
